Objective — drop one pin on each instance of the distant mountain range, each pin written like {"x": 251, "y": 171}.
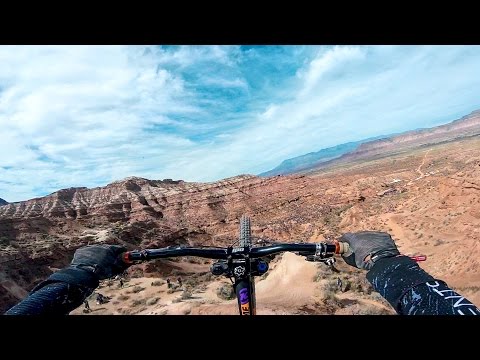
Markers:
{"x": 3, "y": 202}
{"x": 306, "y": 161}
{"x": 466, "y": 126}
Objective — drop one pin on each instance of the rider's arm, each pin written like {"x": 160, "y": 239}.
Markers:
{"x": 56, "y": 298}
{"x": 412, "y": 291}
{"x": 66, "y": 289}
{"x": 399, "y": 279}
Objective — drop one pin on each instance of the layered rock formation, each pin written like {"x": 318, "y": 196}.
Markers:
{"x": 39, "y": 235}
{"x": 435, "y": 211}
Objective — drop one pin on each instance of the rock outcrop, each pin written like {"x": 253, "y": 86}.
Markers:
{"x": 40, "y": 235}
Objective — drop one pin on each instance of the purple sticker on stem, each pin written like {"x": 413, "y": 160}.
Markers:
{"x": 243, "y": 296}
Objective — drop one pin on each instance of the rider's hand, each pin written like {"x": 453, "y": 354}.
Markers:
{"x": 367, "y": 247}
{"x": 102, "y": 260}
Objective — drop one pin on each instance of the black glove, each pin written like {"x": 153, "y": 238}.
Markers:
{"x": 89, "y": 265}
{"x": 102, "y": 260}
{"x": 367, "y": 247}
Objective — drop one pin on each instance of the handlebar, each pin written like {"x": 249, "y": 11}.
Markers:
{"x": 323, "y": 250}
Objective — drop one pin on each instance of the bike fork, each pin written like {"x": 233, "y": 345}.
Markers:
{"x": 245, "y": 292}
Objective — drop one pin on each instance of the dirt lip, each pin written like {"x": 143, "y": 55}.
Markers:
{"x": 434, "y": 210}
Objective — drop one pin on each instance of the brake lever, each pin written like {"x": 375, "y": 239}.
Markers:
{"x": 314, "y": 258}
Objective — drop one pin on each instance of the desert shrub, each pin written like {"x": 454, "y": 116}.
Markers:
{"x": 192, "y": 281}
{"x": 152, "y": 301}
{"x": 136, "y": 274}
{"x": 320, "y": 275}
{"x": 138, "y": 302}
{"x": 200, "y": 288}
{"x": 329, "y": 289}
{"x": 368, "y": 289}
{"x": 137, "y": 289}
{"x": 226, "y": 292}
{"x": 372, "y": 310}
{"x": 331, "y": 286}
{"x": 157, "y": 283}
{"x": 175, "y": 288}
{"x": 186, "y": 295}
{"x": 358, "y": 284}
{"x": 329, "y": 295}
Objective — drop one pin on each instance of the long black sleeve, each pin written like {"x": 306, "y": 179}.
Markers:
{"x": 61, "y": 293}
{"x": 412, "y": 291}
{"x": 54, "y": 299}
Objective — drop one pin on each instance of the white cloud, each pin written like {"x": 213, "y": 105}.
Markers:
{"x": 89, "y": 115}
{"x": 409, "y": 88}
{"x": 89, "y": 106}
{"x": 326, "y": 61}
{"x": 226, "y": 83}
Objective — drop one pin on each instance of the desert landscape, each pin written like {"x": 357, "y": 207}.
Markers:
{"x": 425, "y": 193}
{"x": 170, "y": 145}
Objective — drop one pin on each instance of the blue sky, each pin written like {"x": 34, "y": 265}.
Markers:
{"x": 90, "y": 115}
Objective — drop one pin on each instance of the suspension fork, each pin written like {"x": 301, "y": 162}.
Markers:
{"x": 244, "y": 287}
{"x": 245, "y": 292}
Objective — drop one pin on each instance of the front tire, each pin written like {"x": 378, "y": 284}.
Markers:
{"x": 245, "y": 232}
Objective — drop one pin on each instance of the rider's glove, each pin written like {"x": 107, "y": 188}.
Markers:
{"x": 367, "y": 247}
{"x": 89, "y": 265}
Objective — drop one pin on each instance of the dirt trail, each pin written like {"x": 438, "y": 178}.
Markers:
{"x": 423, "y": 163}
{"x": 397, "y": 231}
{"x": 289, "y": 284}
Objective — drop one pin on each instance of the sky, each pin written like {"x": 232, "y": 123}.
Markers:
{"x": 90, "y": 115}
